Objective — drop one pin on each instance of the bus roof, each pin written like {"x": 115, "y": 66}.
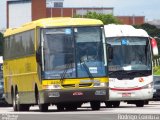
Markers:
{"x": 113, "y": 30}
{"x": 53, "y": 22}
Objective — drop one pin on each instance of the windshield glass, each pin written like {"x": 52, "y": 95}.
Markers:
{"x": 130, "y": 54}
{"x": 90, "y": 61}
{"x": 58, "y": 53}
{"x": 73, "y": 52}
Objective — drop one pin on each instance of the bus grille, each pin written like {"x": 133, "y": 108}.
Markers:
{"x": 77, "y": 85}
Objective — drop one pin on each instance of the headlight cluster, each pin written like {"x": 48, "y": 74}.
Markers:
{"x": 150, "y": 85}
{"x": 52, "y": 86}
{"x": 99, "y": 84}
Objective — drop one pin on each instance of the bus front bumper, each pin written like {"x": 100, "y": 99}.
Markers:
{"x": 79, "y": 95}
{"x": 143, "y": 94}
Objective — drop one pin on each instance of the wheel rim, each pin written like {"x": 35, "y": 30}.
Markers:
{"x": 17, "y": 101}
{"x": 38, "y": 101}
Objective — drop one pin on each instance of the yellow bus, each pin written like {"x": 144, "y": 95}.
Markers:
{"x": 55, "y": 61}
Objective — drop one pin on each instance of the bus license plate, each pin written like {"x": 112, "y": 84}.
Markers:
{"x": 126, "y": 94}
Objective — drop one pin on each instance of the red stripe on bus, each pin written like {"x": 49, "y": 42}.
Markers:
{"x": 126, "y": 89}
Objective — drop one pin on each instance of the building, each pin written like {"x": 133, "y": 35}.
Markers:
{"x": 22, "y": 11}
{"x": 132, "y": 20}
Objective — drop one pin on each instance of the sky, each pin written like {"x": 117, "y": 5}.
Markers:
{"x": 148, "y": 8}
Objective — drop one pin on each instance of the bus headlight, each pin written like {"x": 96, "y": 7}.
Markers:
{"x": 53, "y": 86}
{"x": 99, "y": 84}
{"x": 150, "y": 85}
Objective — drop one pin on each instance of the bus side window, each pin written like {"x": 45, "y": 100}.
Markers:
{"x": 110, "y": 52}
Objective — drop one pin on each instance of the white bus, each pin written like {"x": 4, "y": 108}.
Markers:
{"x": 130, "y": 69}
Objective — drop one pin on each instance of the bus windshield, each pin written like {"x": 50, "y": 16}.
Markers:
{"x": 130, "y": 54}
{"x": 73, "y": 52}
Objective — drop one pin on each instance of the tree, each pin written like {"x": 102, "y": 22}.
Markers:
{"x": 105, "y": 18}
{"x": 153, "y": 31}
{"x": 1, "y": 44}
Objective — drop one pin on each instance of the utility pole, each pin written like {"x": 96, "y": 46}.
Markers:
{"x": 133, "y": 19}
{"x": 51, "y": 6}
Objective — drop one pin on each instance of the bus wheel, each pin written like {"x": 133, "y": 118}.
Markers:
{"x": 116, "y": 104}
{"x": 14, "y": 102}
{"x": 140, "y": 103}
{"x": 20, "y": 107}
{"x": 42, "y": 107}
{"x": 60, "y": 107}
{"x": 146, "y": 102}
{"x": 95, "y": 105}
{"x": 17, "y": 101}
{"x": 108, "y": 104}
{"x": 71, "y": 107}
{"x": 25, "y": 107}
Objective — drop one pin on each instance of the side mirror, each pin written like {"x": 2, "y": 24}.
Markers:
{"x": 38, "y": 56}
{"x": 110, "y": 52}
{"x": 154, "y": 46}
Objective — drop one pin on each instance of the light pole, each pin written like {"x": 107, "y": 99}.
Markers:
{"x": 133, "y": 19}
{"x": 51, "y": 5}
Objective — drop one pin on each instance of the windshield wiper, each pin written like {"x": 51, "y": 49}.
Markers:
{"x": 86, "y": 69}
{"x": 65, "y": 71}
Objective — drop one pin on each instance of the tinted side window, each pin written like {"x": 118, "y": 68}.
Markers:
{"x": 19, "y": 45}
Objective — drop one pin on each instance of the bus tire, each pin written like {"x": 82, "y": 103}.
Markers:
{"x": 146, "y": 102}
{"x": 108, "y": 104}
{"x": 25, "y": 107}
{"x": 20, "y": 107}
{"x": 14, "y": 100}
{"x": 71, "y": 107}
{"x": 116, "y": 104}
{"x": 17, "y": 101}
{"x": 42, "y": 107}
{"x": 36, "y": 94}
{"x": 140, "y": 103}
{"x": 60, "y": 107}
{"x": 95, "y": 105}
